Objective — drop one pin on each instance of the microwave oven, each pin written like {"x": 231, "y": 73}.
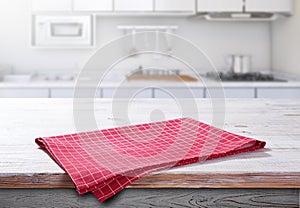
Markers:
{"x": 63, "y": 31}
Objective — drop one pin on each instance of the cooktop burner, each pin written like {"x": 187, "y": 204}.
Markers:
{"x": 248, "y": 77}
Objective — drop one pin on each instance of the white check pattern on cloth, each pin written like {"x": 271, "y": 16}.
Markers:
{"x": 106, "y": 161}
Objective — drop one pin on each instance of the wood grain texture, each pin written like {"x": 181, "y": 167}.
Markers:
{"x": 150, "y": 198}
{"x": 209, "y": 180}
{"x": 23, "y": 165}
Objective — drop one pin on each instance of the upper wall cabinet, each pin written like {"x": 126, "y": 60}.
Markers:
{"x": 52, "y": 5}
{"x": 164, "y": 6}
{"x": 284, "y": 6}
{"x": 175, "y": 5}
{"x": 134, "y": 5}
{"x": 220, "y": 5}
{"x": 93, "y": 5}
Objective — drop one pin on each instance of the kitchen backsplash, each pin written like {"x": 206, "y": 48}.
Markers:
{"x": 216, "y": 39}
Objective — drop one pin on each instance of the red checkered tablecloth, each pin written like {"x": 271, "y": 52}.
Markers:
{"x": 106, "y": 161}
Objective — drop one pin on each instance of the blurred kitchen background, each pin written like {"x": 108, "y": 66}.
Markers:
{"x": 254, "y": 45}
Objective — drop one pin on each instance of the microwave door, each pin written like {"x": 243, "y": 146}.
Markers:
{"x": 63, "y": 31}
{"x": 71, "y": 30}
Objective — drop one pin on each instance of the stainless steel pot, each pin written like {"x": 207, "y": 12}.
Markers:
{"x": 240, "y": 64}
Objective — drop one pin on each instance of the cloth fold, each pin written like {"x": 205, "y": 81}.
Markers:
{"x": 105, "y": 162}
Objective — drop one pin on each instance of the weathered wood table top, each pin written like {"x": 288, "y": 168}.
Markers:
{"x": 24, "y": 165}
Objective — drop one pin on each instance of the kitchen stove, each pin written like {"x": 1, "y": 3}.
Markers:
{"x": 244, "y": 77}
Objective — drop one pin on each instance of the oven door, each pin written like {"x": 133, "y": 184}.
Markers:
{"x": 63, "y": 31}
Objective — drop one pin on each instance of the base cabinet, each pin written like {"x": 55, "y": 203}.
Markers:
{"x": 230, "y": 93}
{"x": 69, "y": 93}
{"x": 131, "y": 93}
{"x": 159, "y": 93}
{"x": 177, "y": 93}
{"x": 278, "y": 93}
{"x": 24, "y": 93}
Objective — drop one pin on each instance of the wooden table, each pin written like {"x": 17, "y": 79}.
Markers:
{"x": 266, "y": 178}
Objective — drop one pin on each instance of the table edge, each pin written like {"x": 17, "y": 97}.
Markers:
{"x": 164, "y": 180}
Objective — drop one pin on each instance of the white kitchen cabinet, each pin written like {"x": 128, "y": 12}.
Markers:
{"x": 220, "y": 5}
{"x": 51, "y": 5}
{"x": 278, "y": 93}
{"x": 284, "y": 6}
{"x": 93, "y": 5}
{"x": 231, "y": 93}
{"x": 177, "y": 93}
{"x": 175, "y": 5}
{"x": 126, "y": 93}
{"x": 24, "y": 93}
{"x": 69, "y": 93}
{"x": 133, "y": 5}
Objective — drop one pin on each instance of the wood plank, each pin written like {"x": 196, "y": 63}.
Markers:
{"x": 137, "y": 198}
{"x": 200, "y": 180}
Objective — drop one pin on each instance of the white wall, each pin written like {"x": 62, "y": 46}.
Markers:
{"x": 15, "y": 42}
{"x": 218, "y": 39}
{"x": 286, "y": 43}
